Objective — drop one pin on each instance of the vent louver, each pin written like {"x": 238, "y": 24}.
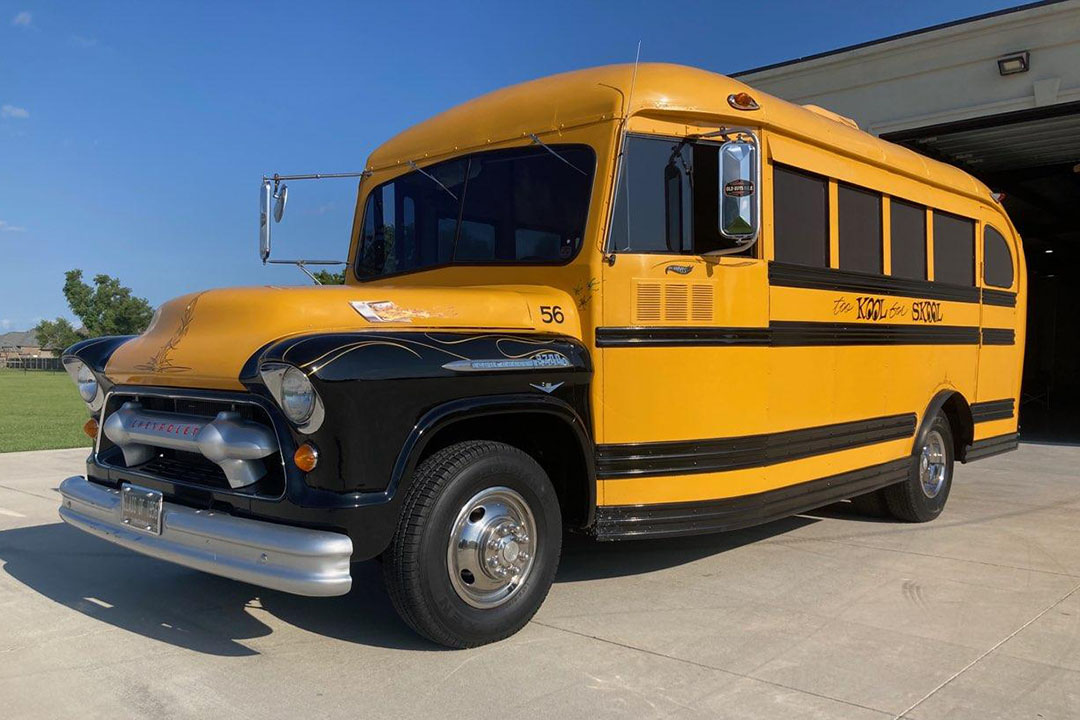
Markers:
{"x": 673, "y": 302}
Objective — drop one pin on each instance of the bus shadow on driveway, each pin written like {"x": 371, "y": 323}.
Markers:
{"x": 213, "y": 615}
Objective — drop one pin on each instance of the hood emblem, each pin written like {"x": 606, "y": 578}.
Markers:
{"x": 547, "y": 387}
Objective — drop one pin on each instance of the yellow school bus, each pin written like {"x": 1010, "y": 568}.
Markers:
{"x": 634, "y": 302}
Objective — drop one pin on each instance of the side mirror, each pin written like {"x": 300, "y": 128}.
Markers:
{"x": 264, "y": 221}
{"x": 740, "y": 197}
{"x": 281, "y": 196}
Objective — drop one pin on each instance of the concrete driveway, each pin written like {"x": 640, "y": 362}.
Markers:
{"x": 976, "y": 615}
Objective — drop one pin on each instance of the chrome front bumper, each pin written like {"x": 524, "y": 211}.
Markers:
{"x": 281, "y": 557}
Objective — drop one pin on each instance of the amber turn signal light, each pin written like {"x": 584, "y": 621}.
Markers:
{"x": 91, "y": 428}
{"x": 306, "y": 457}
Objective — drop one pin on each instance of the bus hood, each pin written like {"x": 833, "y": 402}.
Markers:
{"x": 204, "y": 339}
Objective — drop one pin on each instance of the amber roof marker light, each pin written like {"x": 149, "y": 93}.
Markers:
{"x": 742, "y": 101}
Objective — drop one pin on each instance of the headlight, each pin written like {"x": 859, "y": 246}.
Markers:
{"x": 297, "y": 396}
{"x": 294, "y": 394}
{"x": 85, "y": 381}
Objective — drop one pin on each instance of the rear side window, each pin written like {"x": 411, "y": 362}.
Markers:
{"x": 954, "y": 249}
{"x": 858, "y": 225}
{"x": 907, "y": 226}
{"x": 998, "y": 266}
{"x": 800, "y": 217}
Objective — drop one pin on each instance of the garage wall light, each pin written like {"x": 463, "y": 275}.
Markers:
{"x": 1015, "y": 63}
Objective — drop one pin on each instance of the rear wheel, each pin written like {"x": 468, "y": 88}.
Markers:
{"x": 477, "y": 544}
{"x": 922, "y": 496}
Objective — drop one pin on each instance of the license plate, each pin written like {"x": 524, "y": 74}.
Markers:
{"x": 141, "y": 508}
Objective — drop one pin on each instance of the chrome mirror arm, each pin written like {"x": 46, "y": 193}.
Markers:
{"x": 302, "y": 265}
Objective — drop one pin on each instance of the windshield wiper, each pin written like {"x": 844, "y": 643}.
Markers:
{"x": 541, "y": 143}
{"x": 434, "y": 179}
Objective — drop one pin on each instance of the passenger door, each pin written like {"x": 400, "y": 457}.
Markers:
{"x": 684, "y": 335}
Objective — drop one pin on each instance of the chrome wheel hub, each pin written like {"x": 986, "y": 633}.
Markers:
{"x": 491, "y": 547}
{"x": 932, "y": 464}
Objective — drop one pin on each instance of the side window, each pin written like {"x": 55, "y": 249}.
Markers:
{"x": 997, "y": 260}
{"x": 954, "y": 249}
{"x": 800, "y": 217}
{"x": 858, "y": 224}
{"x": 669, "y": 198}
{"x": 652, "y": 199}
{"x": 907, "y": 225}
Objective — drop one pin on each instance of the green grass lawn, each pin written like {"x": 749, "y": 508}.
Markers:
{"x": 40, "y": 410}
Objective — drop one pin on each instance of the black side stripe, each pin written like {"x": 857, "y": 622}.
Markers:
{"x": 620, "y": 522}
{"x": 991, "y": 446}
{"x": 816, "y": 278}
{"x": 993, "y": 410}
{"x": 998, "y": 336}
{"x": 1001, "y": 298}
{"x": 680, "y": 336}
{"x": 685, "y": 457}
{"x": 788, "y": 334}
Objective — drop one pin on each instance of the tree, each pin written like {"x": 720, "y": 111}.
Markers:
{"x": 108, "y": 308}
{"x": 56, "y": 334}
{"x": 327, "y": 277}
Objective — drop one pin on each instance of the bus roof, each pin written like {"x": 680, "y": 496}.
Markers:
{"x": 661, "y": 91}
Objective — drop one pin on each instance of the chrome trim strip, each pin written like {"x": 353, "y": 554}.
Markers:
{"x": 543, "y": 360}
{"x": 281, "y": 557}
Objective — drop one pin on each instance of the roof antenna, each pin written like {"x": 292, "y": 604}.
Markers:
{"x": 620, "y": 161}
{"x": 622, "y": 145}
{"x": 633, "y": 79}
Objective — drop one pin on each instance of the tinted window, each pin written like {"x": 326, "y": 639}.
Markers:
{"x": 907, "y": 225}
{"x": 669, "y": 198}
{"x": 519, "y": 205}
{"x": 858, "y": 224}
{"x": 706, "y": 191}
{"x": 800, "y": 217}
{"x": 653, "y": 198}
{"x": 997, "y": 260}
{"x": 954, "y": 249}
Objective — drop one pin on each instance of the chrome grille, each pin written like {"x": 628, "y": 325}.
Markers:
{"x": 192, "y": 469}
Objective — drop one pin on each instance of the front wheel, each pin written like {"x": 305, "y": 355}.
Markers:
{"x": 477, "y": 544}
{"x": 922, "y": 496}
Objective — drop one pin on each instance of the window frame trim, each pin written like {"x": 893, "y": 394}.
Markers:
{"x": 933, "y": 213}
{"x": 355, "y": 265}
{"x": 831, "y": 228}
{"x": 926, "y": 237}
{"x": 1012, "y": 259}
{"x": 609, "y": 243}
{"x": 881, "y": 196}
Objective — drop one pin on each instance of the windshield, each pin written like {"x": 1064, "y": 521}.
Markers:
{"x": 524, "y": 205}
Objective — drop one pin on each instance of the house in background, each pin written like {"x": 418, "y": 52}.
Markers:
{"x": 21, "y": 350}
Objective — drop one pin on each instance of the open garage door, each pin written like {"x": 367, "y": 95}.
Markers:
{"x": 1033, "y": 157}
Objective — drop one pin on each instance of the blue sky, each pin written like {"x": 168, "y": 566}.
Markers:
{"x": 133, "y": 134}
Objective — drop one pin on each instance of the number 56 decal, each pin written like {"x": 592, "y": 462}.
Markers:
{"x": 551, "y": 314}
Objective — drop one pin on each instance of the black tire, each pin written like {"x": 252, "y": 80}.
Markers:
{"x": 909, "y": 501}
{"x": 872, "y": 504}
{"x": 416, "y": 565}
